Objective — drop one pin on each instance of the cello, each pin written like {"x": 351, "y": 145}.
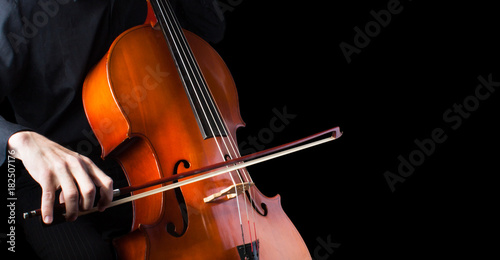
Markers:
{"x": 162, "y": 102}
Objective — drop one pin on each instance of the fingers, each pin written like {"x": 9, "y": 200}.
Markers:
{"x": 103, "y": 181}
{"x": 69, "y": 193}
{"x": 54, "y": 166}
{"x": 87, "y": 176}
{"x": 77, "y": 177}
{"x": 48, "y": 199}
{"x": 80, "y": 172}
{"x": 50, "y": 181}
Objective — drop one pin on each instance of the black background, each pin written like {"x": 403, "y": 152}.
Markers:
{"x": 397, "y": 89}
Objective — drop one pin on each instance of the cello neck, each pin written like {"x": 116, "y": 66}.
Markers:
{"x": 204, "y": 108}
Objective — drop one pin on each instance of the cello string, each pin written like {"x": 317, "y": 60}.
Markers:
{"x": 200, "y": 83}
{"x": 174, "y": 34}
{"x": 177, "y": 34}
{"x": 188, "y": 63}
{"x": 206, "y": 95}
{"x": 198, "y": 76}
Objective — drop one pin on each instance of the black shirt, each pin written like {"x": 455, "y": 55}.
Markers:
{"x": 47, "y": 47}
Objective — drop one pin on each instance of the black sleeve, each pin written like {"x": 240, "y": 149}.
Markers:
{"x": 12, "y": 53}
{"x": 6, "y": 130}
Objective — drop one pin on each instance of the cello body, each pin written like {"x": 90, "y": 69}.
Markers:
{"x": 138, "y": 108}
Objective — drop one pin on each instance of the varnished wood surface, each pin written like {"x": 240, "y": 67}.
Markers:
{"x": 154, "y": 117}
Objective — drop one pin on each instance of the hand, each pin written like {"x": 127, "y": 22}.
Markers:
{"x": 55, "y": 167}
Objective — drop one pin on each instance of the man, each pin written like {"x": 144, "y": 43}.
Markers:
{"x": 46, "y": 49}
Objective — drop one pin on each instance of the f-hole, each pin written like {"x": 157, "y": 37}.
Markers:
{"x": 171, "y": 228}
{"x": 262, "y": 212}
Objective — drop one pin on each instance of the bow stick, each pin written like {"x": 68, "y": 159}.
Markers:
{"x": 230, "y": 165}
